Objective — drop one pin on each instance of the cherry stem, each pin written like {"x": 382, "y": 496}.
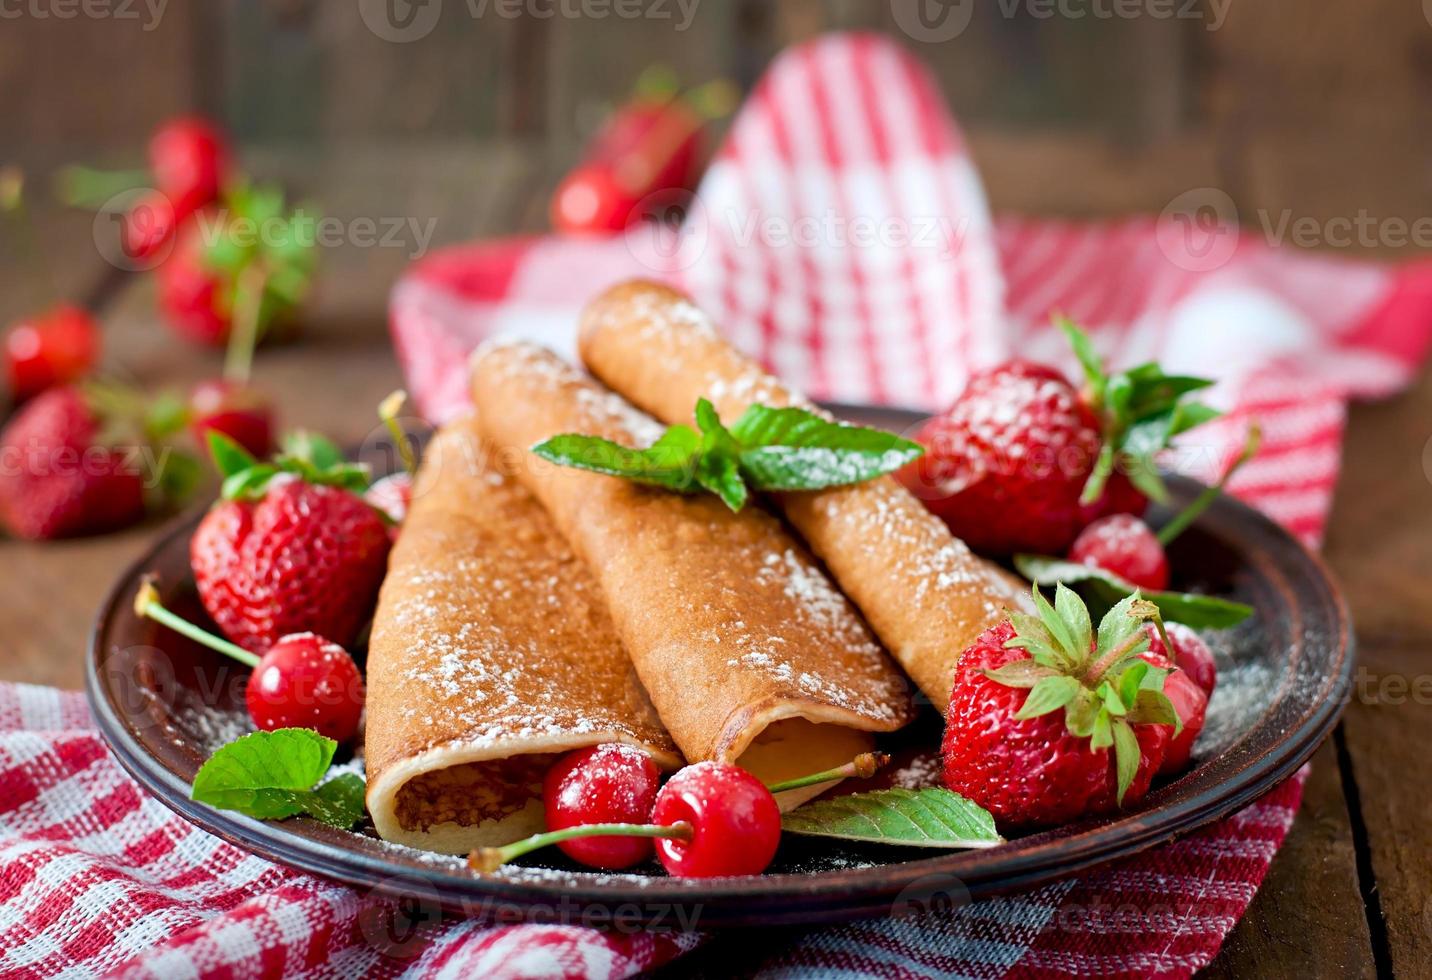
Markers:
{"x": 863, "y": 766}
{"x": 492, "y": 858}
{"x": 1204, "y": 500}
{"x": 147, "y": 604}
{"x": 244, "y": 333}
{"x": 388, "y": 410}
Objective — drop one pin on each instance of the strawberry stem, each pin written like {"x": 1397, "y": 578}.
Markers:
{"x": 1100, "y": 667}
{"x": 244, "y": 333}
{"x": 388, "y": 410}
{"x": 1204, "y": 500}
{"x": 862, "y": 766}
{"x": 492, "y": 858}
{"x": 147, "y": 605}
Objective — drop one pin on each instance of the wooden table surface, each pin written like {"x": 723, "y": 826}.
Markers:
{"x": 1350, "y": 894}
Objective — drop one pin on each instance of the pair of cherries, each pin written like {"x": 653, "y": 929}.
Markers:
{"x": 605, "y": 807}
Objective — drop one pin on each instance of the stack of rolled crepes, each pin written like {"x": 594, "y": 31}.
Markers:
{"x": 492, "y": 652}
{"x": 926, "y": 595}
{"x": 750, "y": 654}
{"x": 494, "y": 647}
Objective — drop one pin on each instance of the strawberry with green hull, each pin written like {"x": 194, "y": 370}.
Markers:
{"x": 292, "y": 547}
{"x": 1024, "y": 461}
{"x": 1049, "y": 724}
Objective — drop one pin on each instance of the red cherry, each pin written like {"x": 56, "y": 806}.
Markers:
{"x": 58, "y": 346}
{"x": 609, "y": 783}
{"x": 190, "y": 160}
{"x": 149, "y": 226}
{"x": 1190, "y": 654}
{"x": 235, "y": 410}
{"x": 393, "y": 495}
{"x": 190, "y": 293}
{"x": 735, "y": 822}
{"x": 305, "y": 681}
{"x": 1123, "y": 545}
{"x": 1190, "y": 704}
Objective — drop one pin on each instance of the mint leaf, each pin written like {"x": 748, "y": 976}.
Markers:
{"x": 930, "y": 817}
{"x": 719, "y": 469}
{"x": 270, "y": 776}
{"x": 1197, "y": 611}
{"x": 792, "y": 449}
{"x": 312, "y": 448}
{"x": 670, "y": 462}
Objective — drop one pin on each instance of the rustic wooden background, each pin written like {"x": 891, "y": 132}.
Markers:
{"x": 1289, "y": 106}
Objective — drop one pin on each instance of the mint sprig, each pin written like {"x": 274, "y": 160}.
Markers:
{"x": 307, "y": 455}
{"x": 1140, "y": 412}
{"x": 274, "y": 775}
{"x": 771, "y": 449}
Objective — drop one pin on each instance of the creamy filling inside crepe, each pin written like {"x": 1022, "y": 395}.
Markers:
{"x": 500, "y": 793}
{"x": 794, "y": 747}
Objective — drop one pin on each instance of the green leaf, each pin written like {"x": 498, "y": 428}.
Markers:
{"x": 1094, "y": 373}
{"x": 249, "y": 484}
{"x": 1126, "y": 756}
{"x": 719, "y": 469}
{"x": 1154, "y": 708}
{"x": 1031, "y": 634}
{"x": 793, "y": 449}
{"x": 270, "y": 776}
{"x": 179, "y": 477}
{"x": 1131, "y": 681}
{"x": 1190, "y": 415}
{"x": 1021, "y": 673}
{"x": 670, "y": 462}
{"x": 930, "y": 817}
{"x": 1120, "y": 622}
{"x": 1071, "y": 610}
{"x": 1081, "y": 713}
{"x": 229, "y": 457}
{"x": 1048, "y": 694}
{"x": 312, "y": 448}
{"x": 1059, "y": 629}
{"x": 1197, "y": 611}
{"x": 1102, "y": 736}
{"x": 339, "y": 802}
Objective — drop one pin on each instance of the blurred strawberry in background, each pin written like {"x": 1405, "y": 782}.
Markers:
{"x": 653, "y": 143}
{"x": 55, "y": 347}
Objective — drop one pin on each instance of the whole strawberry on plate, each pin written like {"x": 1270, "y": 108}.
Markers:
{"x": 1023, "y": 460}
{"x": 1049, "y": 723}
{"x": 292, "y": 546}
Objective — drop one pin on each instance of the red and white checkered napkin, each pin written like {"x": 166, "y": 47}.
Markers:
{"x": 843, "y": 237}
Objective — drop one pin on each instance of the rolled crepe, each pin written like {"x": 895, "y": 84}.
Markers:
{"x": 749, "y": 652}
{"x": 492, "y": 651}
{"x": 926, "y": 595}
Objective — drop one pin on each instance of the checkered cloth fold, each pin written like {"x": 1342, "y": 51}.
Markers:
{"x": 842, "y": 236}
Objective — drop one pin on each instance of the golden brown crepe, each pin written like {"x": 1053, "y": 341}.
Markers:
{"x": 492, "y": 652}
{"x": 749, "y": 652}
{"x": 926, "y": 595}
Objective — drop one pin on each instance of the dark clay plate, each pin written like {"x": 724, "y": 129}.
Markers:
{"x": 164, "y": 704}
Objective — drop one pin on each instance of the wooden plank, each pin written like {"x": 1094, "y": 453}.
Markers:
{"x": 1307, "y": 919}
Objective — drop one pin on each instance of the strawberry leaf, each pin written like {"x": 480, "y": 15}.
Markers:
{"x": 1048, "y": 694}
{"x": 229, "y": 457}
{"x": 1131, "y": 680}
{"x": 931, "y": 817}
{"x": 1126, "y": 756}
{"x": 1094, "y": 374}
{"x": 1021, "y": 673}
{"x": 1191, "y": 609}
{"x": 312, "y": 448}
{"x": 1075, "y": 614}
{"x": 1061, "y": 631}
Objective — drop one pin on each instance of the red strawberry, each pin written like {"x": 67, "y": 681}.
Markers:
{"x": 191, "y": 294}
{"x": 56, "y": 347}
{"x": 1124, "y": 546}
{"x": 1022, "y": 461}
{"x": 1190, "y": 704}
{"x": 293, "y": 548}
{"x": 393, "y": 495}
{"x": 1190, "y": 655}
{"x": 236, "y": 410}
{"x": 189, "y": 158}
{"x": 58, "y": 479}
{"x": 1030, "y": 734}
